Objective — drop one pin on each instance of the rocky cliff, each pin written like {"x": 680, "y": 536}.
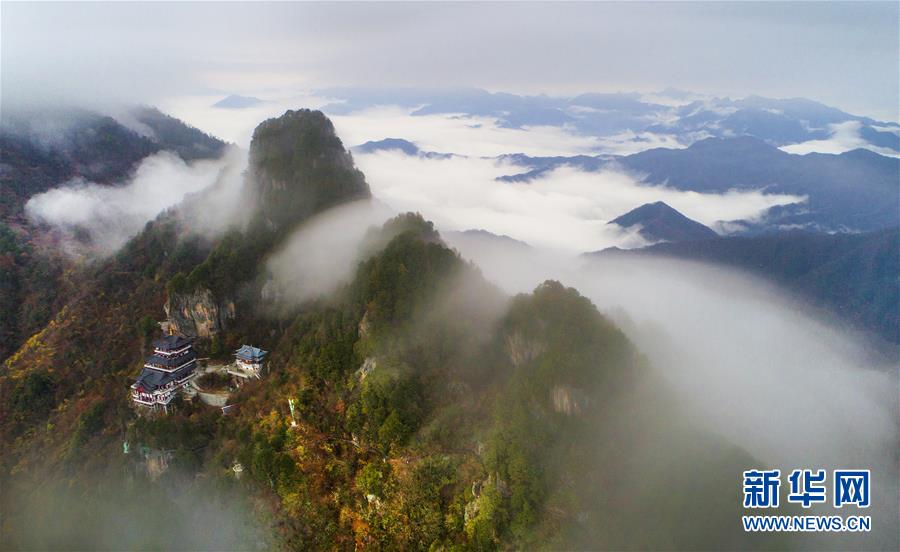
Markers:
{"x": 198, "y": 313}
{"x": 298, "y": 166}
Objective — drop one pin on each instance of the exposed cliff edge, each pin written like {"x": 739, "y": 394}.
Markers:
{"x": 298, "y": 166}
{"x": 197, "y": 313}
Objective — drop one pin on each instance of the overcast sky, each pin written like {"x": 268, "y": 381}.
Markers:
{"x": 842, "y": 54}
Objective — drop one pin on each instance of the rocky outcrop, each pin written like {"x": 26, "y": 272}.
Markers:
{"x": 298, "y": 167}
{"x": 365, "y": 325}
{"x": 568, "y": 400}
{"x": 367, "y": 366}
{"x": 523, "y": 350}
{"x": 198, "y": 313}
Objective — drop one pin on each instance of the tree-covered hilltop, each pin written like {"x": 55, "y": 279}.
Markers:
{"x": 431, "y": 411}
{"x": 299, "y": 166}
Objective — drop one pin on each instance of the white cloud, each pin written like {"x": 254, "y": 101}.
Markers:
{"x": 110, "y": 215}
{"x": 566, "y": 208}
{"x": 629, "y": 142}
{"x": 482, "y": 136}
{"x": 323, "y": 252}
{"x": 745, "y": 359}
{"x": 844, "y": 137}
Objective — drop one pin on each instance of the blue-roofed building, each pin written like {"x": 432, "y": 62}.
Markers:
{"x": 165, "y": 371}
{"x": 248, "y": 362}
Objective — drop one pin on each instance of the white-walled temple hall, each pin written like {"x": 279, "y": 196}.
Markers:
{"x": 248, "y": 362}
{"x": 165, "y": 371}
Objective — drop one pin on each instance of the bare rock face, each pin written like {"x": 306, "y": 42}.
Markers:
{"x": 523, "y": 350}
{"x": 198, "y": 314}
{"x": 365, "y": 325}
{"x": 568, "y": 400}
{"x": 368, "y": 365}
{"x": 298, "y": 166}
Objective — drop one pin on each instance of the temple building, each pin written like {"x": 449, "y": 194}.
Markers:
{"x": 166, "y": 371}
{"x": 248, "y": 362}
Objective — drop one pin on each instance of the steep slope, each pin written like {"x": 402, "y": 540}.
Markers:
{"x": 44, "y": 150}
{"x": 433, "y": 411}
{"x": 173, "y": 135}
{"x": 659, "y": 222}
{"x": 89, "y": 348}
{"x": 299, "y": 166}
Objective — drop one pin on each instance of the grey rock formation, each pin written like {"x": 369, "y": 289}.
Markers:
{"x": 198, "y": 313}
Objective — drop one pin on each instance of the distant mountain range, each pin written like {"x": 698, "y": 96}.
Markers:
{"x": 856, "y": 190}
{"x": 397, "y": 144}
{"x": 732, "y": 144}
{"x": 682, "y": 115}
{"x": 388, "y": 144}
{"x": 463, "y": 238}
{"x": 660, "y": 223}
{"x": 853, "y": 191}
{"x": 235, "y": 101}
{"x": 853, "y": 275}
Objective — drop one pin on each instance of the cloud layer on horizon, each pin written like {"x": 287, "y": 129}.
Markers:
{"x": 841, "y": 54}
{"x": 844, "y": 137}
{"x": 564, "y": 209}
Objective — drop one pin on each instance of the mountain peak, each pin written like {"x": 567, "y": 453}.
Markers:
{"x": 235, "y": 101}
{"x": 659, "y": 222}
{"x": 737, "y": 143}
{"x": 299, "y": 166}
{"x": 388, "y": 144}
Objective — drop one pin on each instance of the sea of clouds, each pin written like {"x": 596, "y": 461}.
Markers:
{"x": 566, "y": 208}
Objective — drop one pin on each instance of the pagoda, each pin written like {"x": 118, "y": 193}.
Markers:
{"x": 165, "y": 371}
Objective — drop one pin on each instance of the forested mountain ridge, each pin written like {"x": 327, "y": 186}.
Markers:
{"x": 112, "y": 306}
{"x": 433, "y": 411}
{"x": 44, "y": 150}
{"x": 40, "y": 150}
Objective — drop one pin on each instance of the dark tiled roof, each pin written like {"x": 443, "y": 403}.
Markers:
{"x": 171, "y": 343}
{"x": 246, "y": 352}
{"x": 153, "y": 379}
{"x": 171, "y": 362}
